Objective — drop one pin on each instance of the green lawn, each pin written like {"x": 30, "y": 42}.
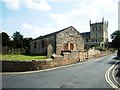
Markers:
{"x": 21, "y": 57}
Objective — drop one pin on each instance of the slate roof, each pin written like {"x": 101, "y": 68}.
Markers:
{"x": 47, "y": 35}
{"x": 85, "y": 33}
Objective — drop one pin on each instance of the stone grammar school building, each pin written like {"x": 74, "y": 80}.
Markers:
{"x": 69, "y": 39}
{"x": 63, "y": 40}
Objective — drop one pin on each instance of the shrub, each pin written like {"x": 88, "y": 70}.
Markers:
{"x": 100, "y": 48}
{"x": 118, "y": 52}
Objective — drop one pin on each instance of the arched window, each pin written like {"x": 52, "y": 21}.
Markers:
{"x": 66, "y": 47}
{"x": 71, "y": 46}
{"x": 43, "y": 43}
{"x": 35, "y": 45}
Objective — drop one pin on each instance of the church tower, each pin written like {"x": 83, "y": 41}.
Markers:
{"x": 99, "y": 33}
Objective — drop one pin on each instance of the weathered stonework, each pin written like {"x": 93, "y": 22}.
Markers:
{"x": 98, "y": 35}
{"x": 66, "y": 39}
{"x": 42, "y": 49}
{"x": 67, "y": 57}
{"x": 69, "y": 36}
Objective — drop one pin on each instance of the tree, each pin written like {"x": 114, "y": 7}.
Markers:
{"x": 5, "y": 39}
{"x": 115, "y": 36}
{"x": 26, "y": 42}
{"x": 17, "y": 40}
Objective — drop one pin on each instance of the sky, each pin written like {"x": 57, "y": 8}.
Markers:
{"x": 119, "y": 15}
{"x": 34, "y": 18}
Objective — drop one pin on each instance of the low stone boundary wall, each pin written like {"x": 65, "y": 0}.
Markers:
{"x": 8, "y": 66}
{"x": 67, "y": 57}
{"x": 94, "y": 53}
{"x": 16, "y": 66}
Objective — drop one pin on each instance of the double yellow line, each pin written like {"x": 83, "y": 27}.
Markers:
{"x": 113, "y": 75}
{"x": 107, "y": 77}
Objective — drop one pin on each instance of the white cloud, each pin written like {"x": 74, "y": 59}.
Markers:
{"x": 79, "y": 17}
{"x": 39, "y": 5}
{"x": 26, "y": 26}
{"x": 32, "y": 4}
{"x": 12, "y": 4}
{"x": 36, "y": 30}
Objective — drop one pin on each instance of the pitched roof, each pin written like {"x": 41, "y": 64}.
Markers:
{"x": 40, "y": 37}
{"x": 85, "y": 33}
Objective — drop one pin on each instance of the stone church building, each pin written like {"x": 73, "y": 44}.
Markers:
{"x": 98, "y": 35}
{"x": 53, "y": 43}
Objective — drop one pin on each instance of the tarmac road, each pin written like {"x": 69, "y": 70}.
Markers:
{"x": 85, "y": 75}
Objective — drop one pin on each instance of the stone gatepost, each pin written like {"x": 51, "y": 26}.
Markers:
{"x": 49, "y": 51}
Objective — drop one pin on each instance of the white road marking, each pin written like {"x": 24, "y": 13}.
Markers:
{"x": 107, "y": 77}
{"x": 113, "y": 75}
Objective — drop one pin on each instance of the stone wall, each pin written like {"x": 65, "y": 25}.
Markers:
{"x": 92, "y": 53}
{"x": 10, "y": 50}
{"x": 16, "y": 66}
{"x": 67, "y": 37}
{"x": 42, "y": 45}
{"x": 66, "y": 57}
{"x": 99, "y": 33}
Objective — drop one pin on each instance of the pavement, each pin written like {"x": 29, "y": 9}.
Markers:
{"x": 85, "y": 75}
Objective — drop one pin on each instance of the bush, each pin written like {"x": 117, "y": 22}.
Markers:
{"x": 100, "y": 48}
{"x": 118, "y": 53}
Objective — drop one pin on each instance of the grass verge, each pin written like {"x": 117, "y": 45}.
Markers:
{"x": 21, "y": 57}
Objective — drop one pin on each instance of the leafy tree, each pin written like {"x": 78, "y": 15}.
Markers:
{"x": 17, "y": 40}
{"x": 115, "y": 36}
{"x": 26, "y": 42}
{"x": 5, "y": 39}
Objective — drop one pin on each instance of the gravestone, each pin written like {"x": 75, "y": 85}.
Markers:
{"x": 49, "y": 51}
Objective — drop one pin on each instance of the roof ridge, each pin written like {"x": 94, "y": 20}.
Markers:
{"x": 52, "y": 33}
